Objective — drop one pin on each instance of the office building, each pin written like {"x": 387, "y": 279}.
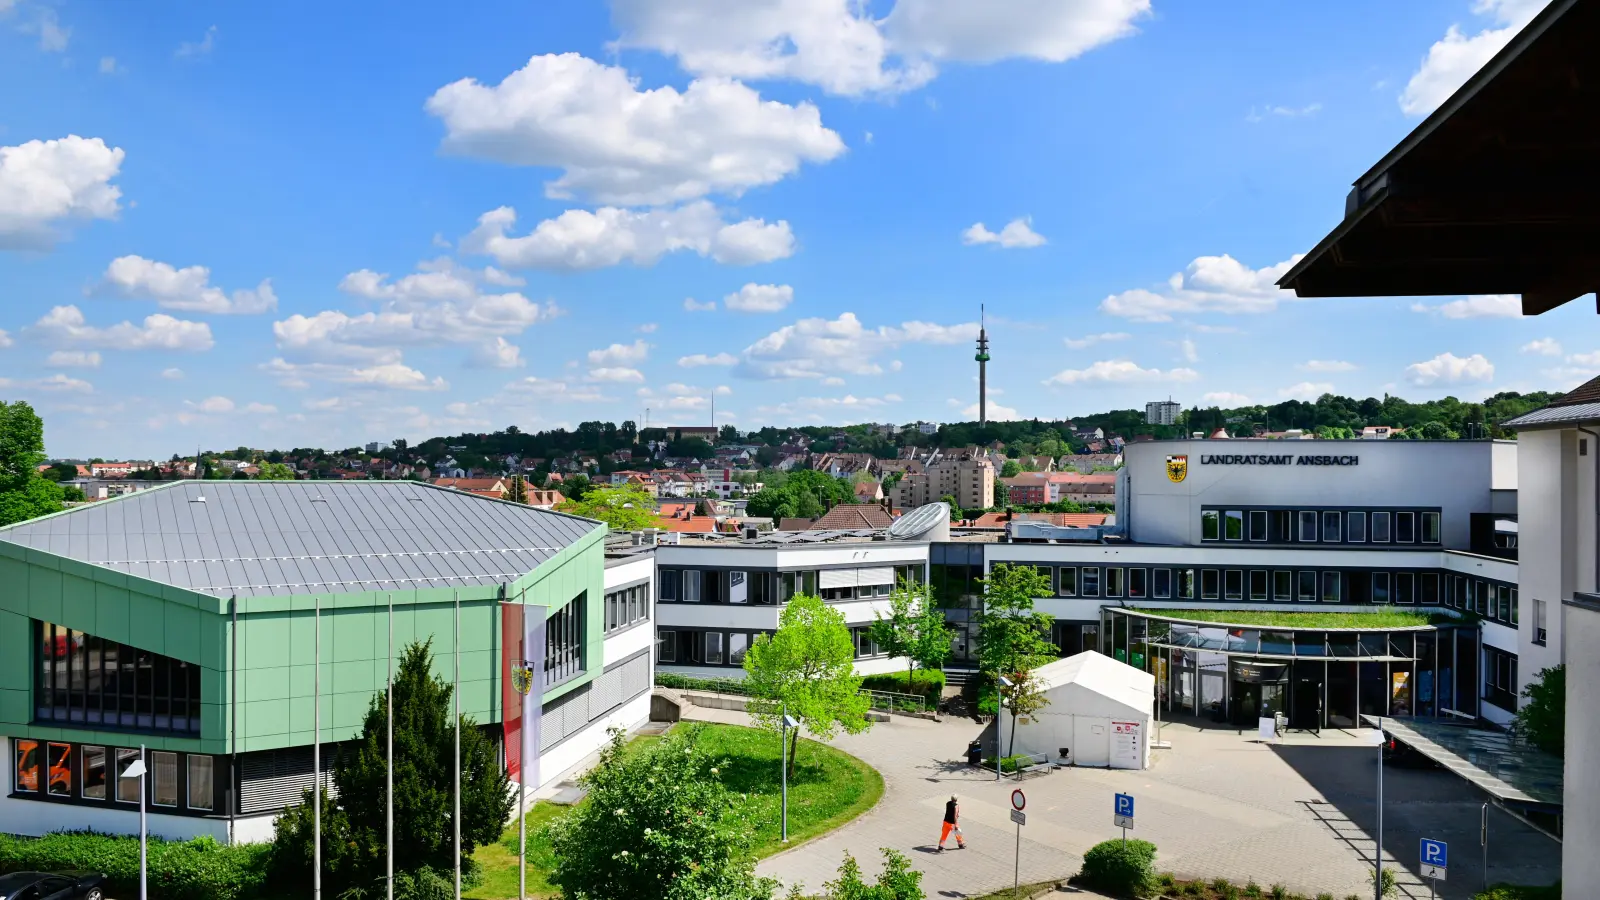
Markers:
{"x": 1162, "y": 412}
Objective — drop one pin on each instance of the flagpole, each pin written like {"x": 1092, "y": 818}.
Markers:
{"x": 316, "y": 748}
{"x": 456, "y": 694}
{"x": 388, "y": 774}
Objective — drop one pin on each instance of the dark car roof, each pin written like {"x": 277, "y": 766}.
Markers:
{"x": 18, "y": 879}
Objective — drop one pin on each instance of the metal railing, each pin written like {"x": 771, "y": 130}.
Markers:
{"x": 891, "y": 702}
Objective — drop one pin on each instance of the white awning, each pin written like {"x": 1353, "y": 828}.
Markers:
{"x": 876, "y": 575}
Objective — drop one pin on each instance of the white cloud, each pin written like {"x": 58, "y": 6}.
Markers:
{"x": 818, "y": 348}
{"x": 1089, "y": 340}
{"x": 579, "y": 239}
{"x": 259, "y": 409}
{"x": 1478, "y": 306}
{"x": 108, "y": 66}
{"x": 212, "y": 405}
{"x": 1119, "y": 371}
{"x": 1326, "y": 365}
{"x": 1227, "y": 399}
{"x": 64, "y": 326}
{"x": 172, "y": 374}
{"x": 700, "y": 359}
{"x": 1305, "y": 391}
{"x": 5, "y": 339}
{"x": 44, "y": 184}
{"x": 202, "y": 47}
{"x": 616, "y": 374}
{"x": 53, "y": 36}
{"x": 847, "y": 410}
{"x": 839, "y": 46}
{"x": 1543, "y": 347}
{"x": 1187, "y": 351}
{"x": 617, "y": 354}
{"x": 188, "y": 289}
{"x": 1286, "y": 112}
{"x": 675, "y": 396}
{"x": 498, "y": 354}
{"x": 55, "y": 383}
{"x": 1219, "y": 284}
{"x": 392, "y": 375}
{"x": 690, "y": 304}
{"x": 833, "y": 381}
{"x": 1456, "y": 57}
{"x": 995, "y": 412}
{"x": 1447, "y": 368}
{"x": 760, "y": 298}
{"x": 617, "y": 144}
{"x": 73, "y": 359}
{"x": 544, "y": 389}
{"x": 646, "y": 328}
{"x": 1016, "y": 233}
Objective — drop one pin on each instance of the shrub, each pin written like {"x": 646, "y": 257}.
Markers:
{"x": 1385, "y": 879}
{"x": 715, "y": 685}
{"x": 1120, "y": 867}
{"x": 1251, "y": 889}
{"x": 1279, "y": 892}
{"x": 1324, "y": 896}
{"x": 897, "y": 881}
{"x": 200, "y": 869}
{"x": 1520, "y": 892}
{"x": 927, "y": 682}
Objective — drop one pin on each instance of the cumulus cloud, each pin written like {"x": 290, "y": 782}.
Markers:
{"x": 498, "y": 354}
{"x": 172, "y": 374}
{"x": 1226, "y": 399}
{"x": 1478, "y": 306}
{"x": 1119, "y": 371}
{"x": 392, "y": 375}
{"x": 5, "y": 339}
{"x": 1219, "y": 284}
{"x": 995, "y": 411}
{"x": 188, "y": 289}
{"x": 1457, "y": 56}
{"x": 1187, "y": 351}
{"x": 202, "y": 47}
{"x": 1089, "y": 340}
{"x": 1326, "y": 365}
{"x": 65, "y": 327}
{"x": 554, "y": 390}
{"x": 1305, "y": 391}
{"x": 45, "y": 184}
{"x": 212, "y": 405}
{"x": 57, "y": 383}
{"x": 73, "y": 359}
{"x": 1447, "y": 368}
{"x": 619, "y": 354}
{"x": 616, "y": 144}
{"x": 1016, "y": 233}
{"x": 1260, "y": 114}
{"x": 690, "y": 304}
{"x": 839, "y": 46}
{"x": 616, "y": 374}
{"x": 760, "y": 298}
{"x": 700, "y": 359}
{"x": 848, "y": 409}
{"x": 819, "y": 348}
{"x": 579, "y": 239}
{"x": 1543, "y": 347}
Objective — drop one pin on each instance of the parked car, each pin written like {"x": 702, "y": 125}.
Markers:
{"x": 53, "y": 886}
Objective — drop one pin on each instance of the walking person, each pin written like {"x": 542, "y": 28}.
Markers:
{"x": 952, "y": 823}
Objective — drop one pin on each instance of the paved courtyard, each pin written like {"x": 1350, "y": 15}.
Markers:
{"x": 1216, "y": 804}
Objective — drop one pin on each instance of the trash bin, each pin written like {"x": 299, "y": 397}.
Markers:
{"x": 975, "y": 754}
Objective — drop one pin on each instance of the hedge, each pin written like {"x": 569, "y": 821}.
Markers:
{"x": 1520, "y": 892}
{"x": 200, "y": 869}
{"x": 717, "y": 685}
{"x": 1122, "y": 868}
{"x": 927, "y": 682}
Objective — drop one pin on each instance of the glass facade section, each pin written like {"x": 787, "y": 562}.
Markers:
{"x": 80, "y": 678}
{"x": 563, "y": 641}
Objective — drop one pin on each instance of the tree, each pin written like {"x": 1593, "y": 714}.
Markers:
{"x": 956, "y": 513}
{"x": 914, "y": 630}
{"x": 23, "y": 494}
{"x": 624, "y": 507}
{"x": 576, "y": 487}
{"x": 60, "y": 472}
{"x": 1012, "y": 638}
{"x": 896, "y": 880}
{"x": 807, "y": 668}
{"x": 1010, "y": 469}
{"x": 657, "y": 822}
{"x": 272, "y": 471}
{"x": 517, "y": 489}
{"x": 354, "y": 824}
{"x": 1543, "y": 719}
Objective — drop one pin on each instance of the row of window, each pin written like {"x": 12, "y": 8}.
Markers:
{"x": 766, "y": 588}
{"x": 1283, "y": 585}
{"x": 1500, "y": 678}
{"x": 1321, "y": 526}
{"x": 563, "y": 642}
{"x": 83, "y": 678}
{"x": 693, "y": 647}
{"x": 627, "y": 607}
{"x": 54, "y": 770}
{"x": 1493, "y": 601}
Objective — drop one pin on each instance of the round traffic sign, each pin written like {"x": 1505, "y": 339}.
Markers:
{"x": 1018, "y": 801}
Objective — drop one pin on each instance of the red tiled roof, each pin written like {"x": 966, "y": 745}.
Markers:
{"x": 470, "y": 484}
{"x": 847, "y": 516}
{"x": 690, "y": 525}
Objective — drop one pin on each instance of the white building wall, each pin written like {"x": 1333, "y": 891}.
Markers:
{"x": 1580, "y": 871}
{"x": 1550, "y": 536}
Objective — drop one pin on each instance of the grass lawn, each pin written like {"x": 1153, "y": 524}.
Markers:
{"x": 829, "y": 789}
{"x": 1382, "y": 618}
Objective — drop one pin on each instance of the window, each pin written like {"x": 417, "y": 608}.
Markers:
{"x": 1429, "y": 583}
{"x": 1258, "y": 524}
{"x": 1208, "y": 584}
{"x": 127, "y": 787}
{"x": 1480, "y": 598}
{"x": 1332, "y": 587}
{"x": 1380, "y": 587}
{"x": 60, "y": 756}
{"x": 1113, "y": 582}
{"x": 691, "y": 586}
{"x": 738, "y": 646}
{"x": 1233, "y": 585}
{"x": 1539, "y": 635}
{"x": 1210, "y": 525}
{"x": 1185, "y": 584}
{"x": 1280, "y": 526}
{"x": 200, "y": 790}
{"x": 1405, "y": 528}
{"x": 82, "y": 678}
{"x": 1355, "y": 530}
{"x": 629, "y": 606}
{"x": 669, "y": 585}
{"x": 1137, "y": 586}
{"x": 1089, "y": 581}
{"x": 1233, "y": 525}
{"x": 164, "y": 778}
{"x": 713, "y": 646}
{"x": 1067, "y": 581}
{"x": 1500, "y": 678}
{"x": 1258, "y": 584}
{"x": 27, "y": 766}
{"x": 1405, "y": 587}
{"x": 1308, "y": 587}
{"x": 1514, "y": 606}
{"x": 1330, "y": 527}
{"x": 1163, "y": 584}
{"x": 1380, "y": 528}
{"x": 1282, "y": 585}
{"x": 1308, "y": 525}
{"x": 1503, "y": 598}
{"x": 666, "y": 646}
{"x": 563, "y": 642}
{"x": 94, "y": 773}
{"x": 1430, "y": 528}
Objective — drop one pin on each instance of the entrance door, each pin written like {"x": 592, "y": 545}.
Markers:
{"x": 1091, "y": 741}
{"x": 1305, "y": 702}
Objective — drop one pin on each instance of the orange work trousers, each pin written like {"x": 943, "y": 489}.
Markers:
{"x": 944, "y": 834}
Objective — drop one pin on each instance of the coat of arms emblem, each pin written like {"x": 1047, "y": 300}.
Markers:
{"x": 1177, "y": 468}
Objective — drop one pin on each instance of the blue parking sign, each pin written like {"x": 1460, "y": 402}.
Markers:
{"x": 1122, "y": 810}
{"x": 1435, "y": 858}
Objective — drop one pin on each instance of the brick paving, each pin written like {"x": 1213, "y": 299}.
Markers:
{"x": 1217, "y": 803}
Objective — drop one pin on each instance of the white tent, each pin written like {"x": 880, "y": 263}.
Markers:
{"x": 1099, "y": 713}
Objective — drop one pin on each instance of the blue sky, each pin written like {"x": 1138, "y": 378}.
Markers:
{"x": 229, "y": 225}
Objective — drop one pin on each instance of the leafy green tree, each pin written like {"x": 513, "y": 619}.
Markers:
{"x": 60, "y": 472}
{"x": 914, "y": 629}
{"x": 657, "y": 822}
{"x": 956, "y": 513}
{"x": 896, "y": 881}
{"x": 274, "y": 471}
{"x": 517, "y": 489}
{"x": 1543, "y": 719}
{"x": 1010, "y": 469}
{"x": 576, "y": 487}
{"x": 624, "y": 507}
{"x": 424, "y": 738}
{"x": 71, "y": 493}
{"x": 1012, "y": 637}
{"x": 23, "y": 494}
{"x": 808, "y": 668}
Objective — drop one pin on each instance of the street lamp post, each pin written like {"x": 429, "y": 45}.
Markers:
{"x": 136, "y": 769}
{"x": 784, "y": 724}
{"x": 1377, "y": 849}
{"x": 999, "y": 720}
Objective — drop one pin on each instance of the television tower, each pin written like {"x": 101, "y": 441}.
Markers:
{"x": 983, "y": 370}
